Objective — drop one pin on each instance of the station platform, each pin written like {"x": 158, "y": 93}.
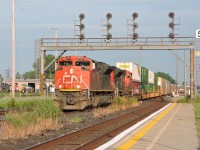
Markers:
{"x": 172, "y": 128}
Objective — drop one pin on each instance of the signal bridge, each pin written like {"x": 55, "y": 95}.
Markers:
{"x": 119, "y": 43}
{"x": 123, "y": 43}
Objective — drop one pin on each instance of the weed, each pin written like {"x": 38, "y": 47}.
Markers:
{"x": 76, "y": 119}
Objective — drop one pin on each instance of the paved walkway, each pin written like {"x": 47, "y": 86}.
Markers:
{"x": 172, "y": 129}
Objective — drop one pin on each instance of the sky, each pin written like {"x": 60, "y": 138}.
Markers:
{"x": 35, "y": 18}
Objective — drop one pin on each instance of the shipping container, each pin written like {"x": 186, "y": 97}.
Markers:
{"x": 145, "y": 87}
{"x": 151, "y": 77}
{"x": 144, "y": 75}
{"x": 133, "y": 68}
{"x": 155, "y": 79}
{"x": 164, "y": 86}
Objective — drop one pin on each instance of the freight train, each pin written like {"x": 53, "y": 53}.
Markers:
{"x": 82, "y": 82}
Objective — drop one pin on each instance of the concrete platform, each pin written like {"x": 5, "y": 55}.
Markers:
{"x": 172, "y": 129}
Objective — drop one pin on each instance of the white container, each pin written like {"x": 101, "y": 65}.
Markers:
{"x": 133, "y": 68}
{"x": 151, "y": 77}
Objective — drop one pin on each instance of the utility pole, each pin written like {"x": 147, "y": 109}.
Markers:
{"x": 56, "y": 37}
{"x": 177, "y": 75}
{"x": 13, "y": 48}
{"x": 185, "y": 72}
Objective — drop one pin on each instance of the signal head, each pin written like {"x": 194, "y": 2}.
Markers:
{"x": 81, "y": 16}
{"x": 109, "y": 26}
{"x": 135, "y": 36}
{"x": 171, "y": 15}
{"x": 171, "y": 35}
{"x": 135, "y": 15}
{"x": 135, "y": 25}
{"x": 82, "y": 36}
{"x": 109, "y": 16}
{"x": 171, "y": 25}
{"x": 109, "y": 36}
{"x": 81, "y": 26}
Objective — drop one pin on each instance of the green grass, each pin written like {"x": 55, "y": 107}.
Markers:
{"x": 123, "y": 101}
{"x": 29, "y": 111}
{"x": 184, "y": 100}
{"x": 196, "y": 104}
{"x": 76, "y": 119}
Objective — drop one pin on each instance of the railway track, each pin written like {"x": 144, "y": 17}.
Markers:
{"x": 96, "y": 135}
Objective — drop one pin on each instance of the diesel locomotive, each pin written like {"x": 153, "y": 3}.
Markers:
{"x": 81, "y": 82}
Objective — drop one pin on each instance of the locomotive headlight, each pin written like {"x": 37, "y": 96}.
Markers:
{"x": 60, "y": 86}
{"x": 78, "y": 86}
{"x": 71, "y": 71}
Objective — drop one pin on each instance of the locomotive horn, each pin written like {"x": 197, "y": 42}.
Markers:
{"x": 82, "y": 26}
{"x": 81, "y": 36}
{"x": 109, "y": 36}
{"x": 135, "y": 25}
{"x": 171, "y": 35}
{"x": 109, "y": 26}
{"x": 171, "y": 15}
{"x": 109, "y": 16}
{"x": 81, "y": 16}
{"x": 135, "y": 36}
{"x": 135, "y": 15}
{"x": 171, "y": 25}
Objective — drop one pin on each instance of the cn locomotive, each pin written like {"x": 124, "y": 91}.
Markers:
{"x": 81, "y": 82}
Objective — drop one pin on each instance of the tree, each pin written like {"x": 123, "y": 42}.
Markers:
{"x": 49, "y": 73}
{"x": 167, "y": 77}
{"x": 29, "y": 75}
{"x": 1, "y": 79}
{"x": 18, "y": 76}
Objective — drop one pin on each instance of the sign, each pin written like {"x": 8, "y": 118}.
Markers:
{"x": 198, "y": 33}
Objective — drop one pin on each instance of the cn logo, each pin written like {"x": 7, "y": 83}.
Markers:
{"x": 198, "y": 33}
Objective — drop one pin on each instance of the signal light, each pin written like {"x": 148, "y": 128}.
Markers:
{"x": 135, "y": 25}
{"x": 109, "y": 26}
{"x": 108, "y": 36}
{"x": 135, "y": 15}
{"x": 81, "y": 26}
{"x": 171, "y": 25}
{"x": 171, "y": 35}
{"x": 82, "y": 36}
{"x": 82, "y": 16}
{"x": 171, "y": 15}
{"x": 135, "y": 36}
{"x": 109, "y": 16}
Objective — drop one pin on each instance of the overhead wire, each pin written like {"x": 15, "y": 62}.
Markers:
{"x": 29, "y": 17}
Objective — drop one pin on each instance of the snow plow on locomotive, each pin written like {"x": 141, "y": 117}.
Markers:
{"x": 81, "y": 82}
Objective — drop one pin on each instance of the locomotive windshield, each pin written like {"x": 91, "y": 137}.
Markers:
{"x": 82, "y": 63}
{"x": 65, "y": 63}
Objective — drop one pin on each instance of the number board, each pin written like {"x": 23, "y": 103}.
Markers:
{"x": 198, "y": 33}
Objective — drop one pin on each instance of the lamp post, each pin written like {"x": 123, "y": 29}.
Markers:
{"x": 13, "y": 49}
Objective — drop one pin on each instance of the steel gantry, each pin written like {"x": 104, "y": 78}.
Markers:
{"x": 121, "y": 43}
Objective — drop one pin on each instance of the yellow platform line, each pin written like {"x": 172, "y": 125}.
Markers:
{"x": 131, "y": 142}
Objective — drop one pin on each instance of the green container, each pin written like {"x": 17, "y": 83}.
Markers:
{"x": 145, "y": 87}
{"x": 144, "y": 75}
